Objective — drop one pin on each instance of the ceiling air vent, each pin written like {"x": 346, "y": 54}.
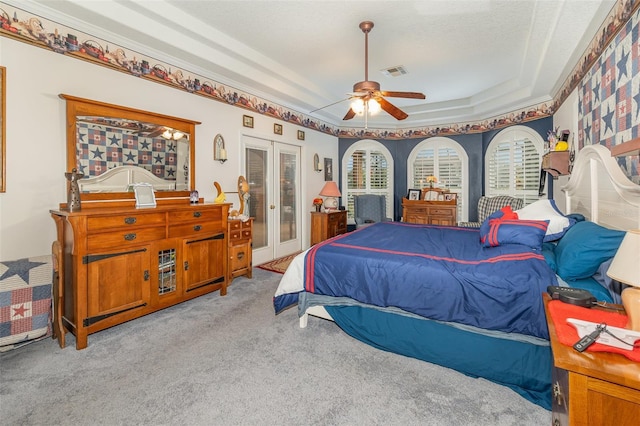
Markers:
{"x": 394, "y": 71}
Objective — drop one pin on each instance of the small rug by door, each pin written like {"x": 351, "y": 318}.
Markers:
{"x": 279, "y": 265}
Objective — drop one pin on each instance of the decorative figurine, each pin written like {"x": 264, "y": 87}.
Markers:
{"x": 73, "y": 195}
{"x": 221, "y": 197}
{"x": 243, "y": 194}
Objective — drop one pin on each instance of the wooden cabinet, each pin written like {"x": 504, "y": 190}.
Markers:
{"x": 592, "y": 388}
{"x": 119, "y": 263}
{"x": 325, "y": 225}
{"x": 430, "y": 212}
{"x": 240, "y": 243}
{"x": 556, "y": 163}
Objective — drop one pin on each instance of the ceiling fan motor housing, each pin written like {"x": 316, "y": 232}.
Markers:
{"x": 366, "y": 86}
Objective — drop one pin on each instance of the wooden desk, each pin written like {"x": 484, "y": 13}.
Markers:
{"x": 592, "y": 388}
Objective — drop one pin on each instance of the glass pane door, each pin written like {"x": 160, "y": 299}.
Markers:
{"x": 273, "y": 172}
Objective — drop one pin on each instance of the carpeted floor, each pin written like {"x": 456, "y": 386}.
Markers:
{"x": 230, "y": 361}
{"x": 279, "y": 265}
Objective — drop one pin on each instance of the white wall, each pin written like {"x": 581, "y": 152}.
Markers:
{"x": 35, "y": 138}
{"x": 566, "y": 118}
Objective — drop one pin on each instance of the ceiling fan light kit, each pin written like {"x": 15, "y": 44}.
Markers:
{"x": 367, "y": 98}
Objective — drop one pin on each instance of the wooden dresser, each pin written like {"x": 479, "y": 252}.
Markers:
{"x": 325, "y": 225}
{"x": 592, "y": 388}
{"x": 436, "y": 211}
{"x": 240, "y": 240}
{"x": 119, "y": 263}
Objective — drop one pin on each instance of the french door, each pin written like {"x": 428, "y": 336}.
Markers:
{"x": 273, "y": 172}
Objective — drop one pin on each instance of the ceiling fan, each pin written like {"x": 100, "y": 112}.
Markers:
{"x": 368, "y": 91}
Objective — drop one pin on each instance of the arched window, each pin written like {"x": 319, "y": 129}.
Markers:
{"x": 512, "y": 164}
{"x": 368, "y": 169}
{"x": 445, "y": 159}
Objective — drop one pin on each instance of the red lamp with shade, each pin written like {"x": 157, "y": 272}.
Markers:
{"x": 332, "y": 193}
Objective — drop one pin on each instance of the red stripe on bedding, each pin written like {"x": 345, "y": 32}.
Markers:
{"x": 496, "y": 259}
{"x": 310, "y": 262}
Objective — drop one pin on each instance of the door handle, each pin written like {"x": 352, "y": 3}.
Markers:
{"x": 272, "y": 206}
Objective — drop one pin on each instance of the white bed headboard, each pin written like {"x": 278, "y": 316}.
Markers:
{"x": 120, "y": 179}
{"x": 599, "y": 190}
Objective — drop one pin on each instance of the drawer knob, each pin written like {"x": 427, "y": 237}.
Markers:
{"x": 197, "y": 214}
{"x": 197, "y": 228}
{"x": 130, "y": 220}
{"x": 130, "y": 237}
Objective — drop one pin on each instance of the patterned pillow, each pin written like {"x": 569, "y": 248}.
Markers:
{"x": 504, "y": 213}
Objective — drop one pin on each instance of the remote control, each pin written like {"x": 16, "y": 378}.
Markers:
{"x": 573, "y": 296}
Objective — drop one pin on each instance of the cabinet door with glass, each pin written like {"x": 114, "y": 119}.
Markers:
{"x": 166, "y": 277}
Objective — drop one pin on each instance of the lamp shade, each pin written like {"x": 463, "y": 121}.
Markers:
{"x": 330, "y": 189}
{"x": 626, "y": 263}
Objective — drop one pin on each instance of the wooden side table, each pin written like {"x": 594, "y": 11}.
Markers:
{"x": 240, "y": 248}
{"x": 592, "y": 388}
{"x": 325, "y": 225}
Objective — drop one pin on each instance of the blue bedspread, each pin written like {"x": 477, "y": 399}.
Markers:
{"x": 436, "y": 272}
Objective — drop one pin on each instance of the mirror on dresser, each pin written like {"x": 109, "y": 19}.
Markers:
{"x": 116, "y": 147}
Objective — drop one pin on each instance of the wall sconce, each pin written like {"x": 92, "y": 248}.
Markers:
{"x": 219, "y": 151}
{"x": 172, "y": 134}
{"x": 316, "y": 163}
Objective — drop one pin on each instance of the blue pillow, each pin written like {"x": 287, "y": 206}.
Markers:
{"x": 548, "y": 251}
{"x": 512, "y": 231}
{"x": 612, "y": 286}
{"x": 503, "y": 213}
{"x": 583, "y": 248}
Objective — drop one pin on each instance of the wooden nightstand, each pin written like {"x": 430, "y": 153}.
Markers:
{"x": 592, "y": 388}
{"x": 325, "y": 225}
{"x": 240, "y": 239}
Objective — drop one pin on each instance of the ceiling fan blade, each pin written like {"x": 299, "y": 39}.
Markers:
{"x": 393, "y": 110}
{"x": 412, "y": 95}
{"x": 350, "y": 114}
{"x": 327, "y": 106}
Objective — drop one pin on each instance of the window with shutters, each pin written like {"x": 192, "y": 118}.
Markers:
{"x": 368, "y": 167}
{"x": 512, "y": 164}
{"x": 445, "y": 159}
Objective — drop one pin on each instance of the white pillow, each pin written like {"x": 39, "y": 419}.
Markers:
{"x": 547, "y": 210}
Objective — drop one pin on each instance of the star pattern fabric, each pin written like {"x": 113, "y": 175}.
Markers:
{"x": 20, "y": 268}
{"x": 609, "y": 95}
{"x": 100, "y": 150}
{"x": 25, "y": 300}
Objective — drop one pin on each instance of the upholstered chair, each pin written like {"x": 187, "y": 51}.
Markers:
{"x": 369, "y": 209}
{"x": 488, "y": 205}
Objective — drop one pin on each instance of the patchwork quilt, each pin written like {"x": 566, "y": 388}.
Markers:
{"x": 25, "y": 301}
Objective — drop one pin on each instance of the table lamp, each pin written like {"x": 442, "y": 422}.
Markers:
{"x": 626, "y": 269}
{"x": 331, "y": 192}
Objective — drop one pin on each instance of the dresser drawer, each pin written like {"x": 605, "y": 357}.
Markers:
{"x": 239, "y": 234}
{"x": 196, "y": 215}
{"x": 440, "y": 212}
{"x": 194, "y": 228}
{"x": 98, "y": 223}
{"x": 123, "y": 238}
